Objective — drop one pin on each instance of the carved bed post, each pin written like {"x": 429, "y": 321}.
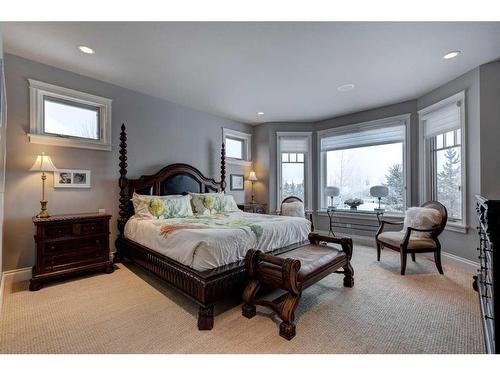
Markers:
{"x": 223, "y": 167}
{"x": 123, "y": 182}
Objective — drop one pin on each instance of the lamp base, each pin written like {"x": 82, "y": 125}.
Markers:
{"x": 43, "y": 214}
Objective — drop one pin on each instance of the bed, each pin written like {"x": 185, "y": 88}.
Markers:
{"x": 203, "y": 256}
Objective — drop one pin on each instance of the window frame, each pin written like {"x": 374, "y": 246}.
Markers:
{"x": 405, "y": 119}
{"x": 425, "y": 157}
{"x": 38, "y": 93}
{"x": 308, "y": 179}
{"x": 246, "y": 138}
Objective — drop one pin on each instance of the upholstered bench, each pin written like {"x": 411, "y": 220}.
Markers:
{"x": 294, "y": 271}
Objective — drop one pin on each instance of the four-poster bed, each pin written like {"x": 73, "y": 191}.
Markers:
{"x": 204, "y": 287}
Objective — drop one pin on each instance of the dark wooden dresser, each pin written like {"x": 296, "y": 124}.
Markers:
{"x": 70, "y": 244}
{"x": 256, "y": 208}
{"x": 487, "y": 280}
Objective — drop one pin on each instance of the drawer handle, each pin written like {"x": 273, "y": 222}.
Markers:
{"x": 97, "y": 241}
{"x": 52, "y": 247}
{"x": 92, "y": 228}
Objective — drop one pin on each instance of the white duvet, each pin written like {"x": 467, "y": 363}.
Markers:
{"x": 206, "y": 242}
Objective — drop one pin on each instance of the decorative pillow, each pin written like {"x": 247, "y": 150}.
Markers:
{"x": 207, "y": 203}
{"x": 167, "y": 206}
{"x": 421, "y": 218}
{"x": 229, "y": 204}
{"x": 293, "y": 209}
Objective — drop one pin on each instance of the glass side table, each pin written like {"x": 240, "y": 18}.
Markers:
{"x": 352, "y": 224}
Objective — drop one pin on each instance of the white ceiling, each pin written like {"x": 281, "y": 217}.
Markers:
{"x": 290, "y": 71}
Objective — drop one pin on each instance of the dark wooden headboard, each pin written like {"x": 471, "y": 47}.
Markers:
{"x": 173, "y": 179}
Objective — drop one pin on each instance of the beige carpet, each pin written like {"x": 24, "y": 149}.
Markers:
{"x": 131, "y": 312}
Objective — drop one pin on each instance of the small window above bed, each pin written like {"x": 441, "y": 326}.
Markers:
{"x": 238, "y": 146}
{"x": 64, "y": 117}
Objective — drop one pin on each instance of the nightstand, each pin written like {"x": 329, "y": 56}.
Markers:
{"x": 256, "y": 208}
{"x": 70, "y": 244}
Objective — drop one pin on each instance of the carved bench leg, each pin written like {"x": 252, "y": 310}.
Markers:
{"x": 206, "y": 318}
{"x": 287, "y": 314}
{"x": 248, "y": 309}
{"x": 348, "y": 276}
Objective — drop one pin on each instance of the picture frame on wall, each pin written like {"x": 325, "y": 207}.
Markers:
{"x": 237, "y": 182}
{"x": 72, "y": 178}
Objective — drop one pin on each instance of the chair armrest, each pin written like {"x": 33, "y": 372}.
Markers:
{"x": 382, "y": 224}
{"x": 344, "y": 242}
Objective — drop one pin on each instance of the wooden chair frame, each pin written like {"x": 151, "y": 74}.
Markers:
{"x": 297, "y": 199}
{"x": 403, "y": 247}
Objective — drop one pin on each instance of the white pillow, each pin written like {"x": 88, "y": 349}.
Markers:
{"x": 229, "y": 204}
{"x": 293, "y": 209}
{"x": 166, "y": 206}
{"x": 421, "y": 218}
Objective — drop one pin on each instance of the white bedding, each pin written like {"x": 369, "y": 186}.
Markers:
{"x": 206, "y": 242}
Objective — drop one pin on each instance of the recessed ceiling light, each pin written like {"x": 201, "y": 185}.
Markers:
{"x": 86, "y": 49}
{"x": 346, "y": 87}
{"x": 260, "y": 113}
{"x": 451, "y": 54}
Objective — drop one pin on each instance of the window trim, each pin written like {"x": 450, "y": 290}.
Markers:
{"x": 38, "y": 90}
{"x": 308, "y": 183}
{"x": 247, "y": 146}
{"x": 404, "y": 118}
{"x": 424, "y": 154}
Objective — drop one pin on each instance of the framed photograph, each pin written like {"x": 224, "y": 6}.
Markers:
{"x": 72, "y": 178}
{"x": 237, "y": 182}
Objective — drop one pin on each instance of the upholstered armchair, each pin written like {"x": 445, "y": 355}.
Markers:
{"x": 422, "y": 226}
{"x": 294, "y": 206}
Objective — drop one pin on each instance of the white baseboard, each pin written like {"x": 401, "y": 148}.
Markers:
{"x": 447, "y": 258}
{"x": 12, "y": 276}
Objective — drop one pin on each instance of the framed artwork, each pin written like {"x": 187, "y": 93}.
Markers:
{"x": 72, "y": 178}
{"x": 237, "y": 182}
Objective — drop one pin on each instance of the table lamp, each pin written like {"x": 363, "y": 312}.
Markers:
{"x": 252, "y": 177}
{"x": 332, "y": 191}
{"x": 43, "y": 164}
{"x": 379, "y": 191}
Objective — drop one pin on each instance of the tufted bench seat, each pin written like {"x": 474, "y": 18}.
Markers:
{"x": 294, "y": 271}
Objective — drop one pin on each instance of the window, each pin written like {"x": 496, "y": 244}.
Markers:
{"x": 238, "y": 146}
{"x": 356, "y": 157}
{"x": 442, "y": 157}
{"x": 294, "y": 166}
{"x": 65, "y": 117}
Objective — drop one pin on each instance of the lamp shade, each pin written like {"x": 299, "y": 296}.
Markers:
{"x": 332, "y": 191}
{"x": 379, "y": 191}
{"x": 252, "y": 176}
{"x": 43, "y": 164}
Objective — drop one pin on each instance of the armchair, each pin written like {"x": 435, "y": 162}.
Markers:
{"x": 412, "y": 240}
{"x": 286, "y": 212}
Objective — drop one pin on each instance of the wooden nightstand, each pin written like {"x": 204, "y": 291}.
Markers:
{"x": 70, "y": 244}
{"x": 256, "y": 208}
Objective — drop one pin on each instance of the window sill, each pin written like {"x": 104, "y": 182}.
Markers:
{"x": 245, "y": 163}
{"x": 67, "y": 142}
{"x": 361, "y": 215}
{"x": 456, "y": 227}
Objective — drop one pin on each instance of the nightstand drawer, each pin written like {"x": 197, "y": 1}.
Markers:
{"x": 71, "y": 245}
{"x": 58, "y": 230}
{"x": 94, "y": 227}
{"x": 56, "y": 261}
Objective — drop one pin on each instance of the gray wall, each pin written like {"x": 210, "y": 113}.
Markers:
{"x": 2, "y": 162}
{"x": 490, "y": 129}
{"x": 464, "y": 245}
{"x": 159, "y": 133}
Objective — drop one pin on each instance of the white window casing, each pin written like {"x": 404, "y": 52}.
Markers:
{"x": 40, "y": 90}
{"x": 246, "y": 138}
{"x": 444, "y": 116}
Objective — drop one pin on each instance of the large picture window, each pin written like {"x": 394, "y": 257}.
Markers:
{"x": 355, "y": 158}
{"x": 442, "y": 170}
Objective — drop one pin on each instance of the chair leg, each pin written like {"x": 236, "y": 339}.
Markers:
{"x": 437, "y": 259}
{"x": 287, "y": 315}
{"x": 413, "y": 257}
{"x": 403, "y": 261}
{"x": 248, "y": 309}
{"x": 378, "y": 252}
